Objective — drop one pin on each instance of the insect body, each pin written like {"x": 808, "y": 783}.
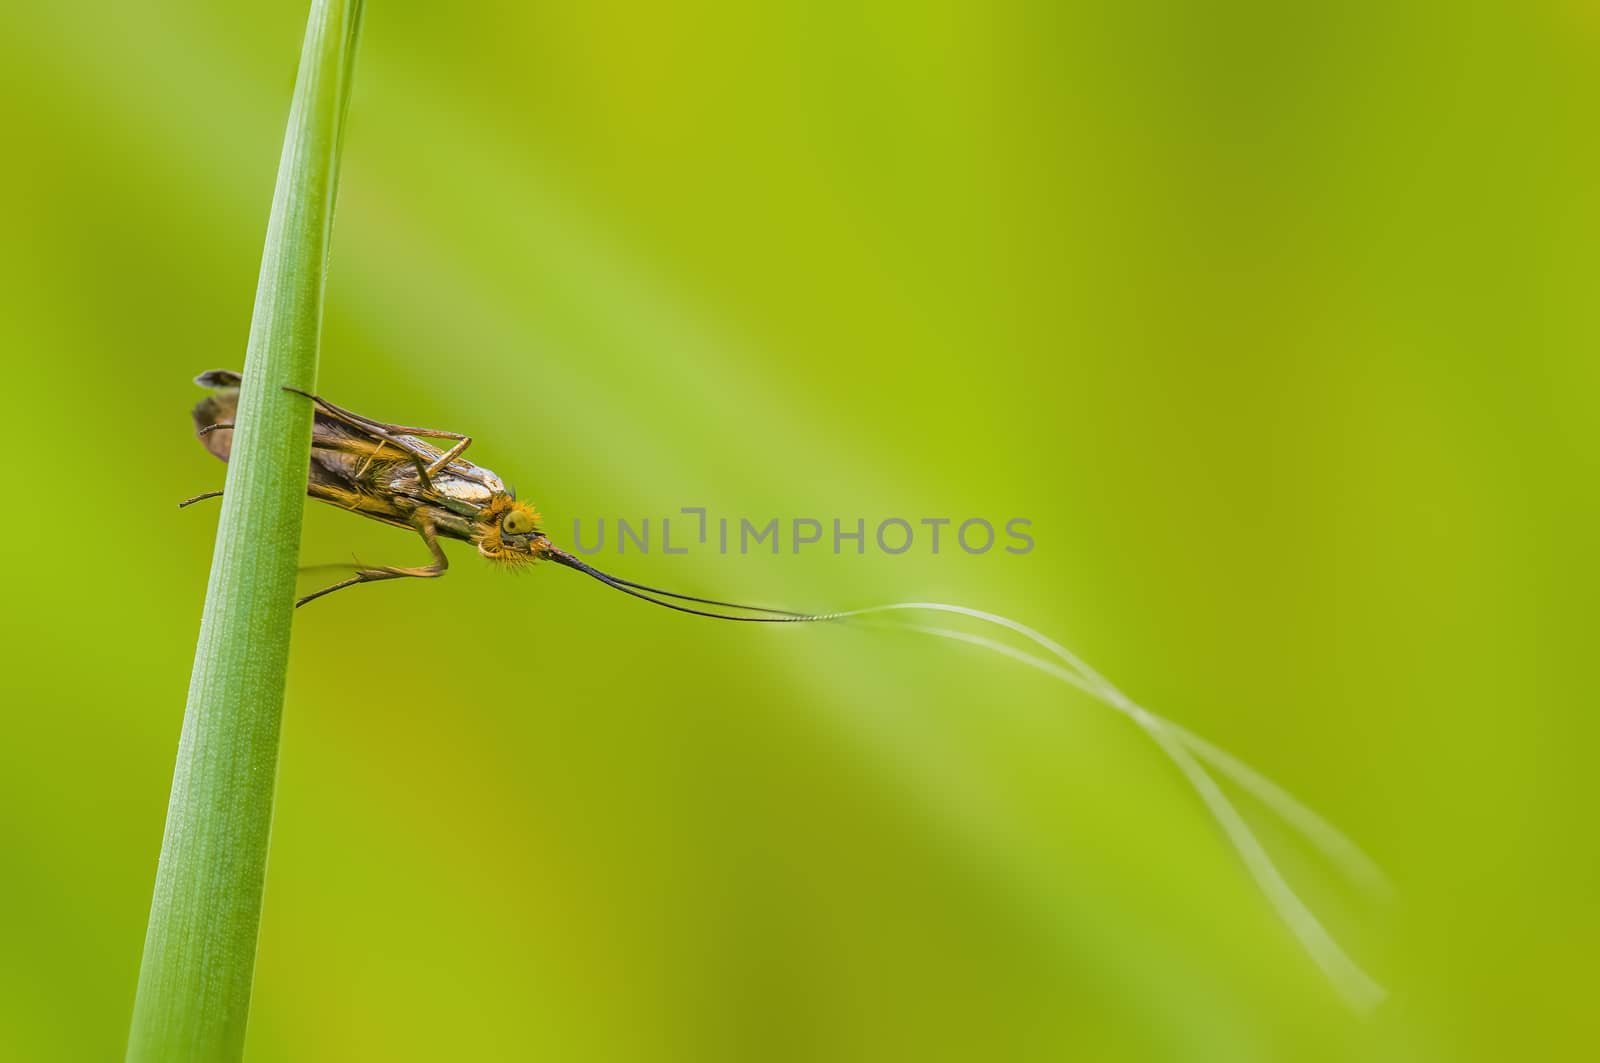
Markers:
{"x": 389, "y": 473}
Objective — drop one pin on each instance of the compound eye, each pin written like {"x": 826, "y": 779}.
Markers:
{"x": 517, "y": 523}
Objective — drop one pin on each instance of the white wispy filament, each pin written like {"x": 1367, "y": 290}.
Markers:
{"x": 1182, "y": 747}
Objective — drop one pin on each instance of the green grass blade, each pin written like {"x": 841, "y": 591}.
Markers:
{"x": 199, "y": 951}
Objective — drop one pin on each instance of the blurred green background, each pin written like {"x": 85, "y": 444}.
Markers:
{"x": 1278, "y": 322}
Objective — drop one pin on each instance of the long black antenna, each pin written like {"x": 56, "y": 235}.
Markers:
{"x": 639, "y": 590}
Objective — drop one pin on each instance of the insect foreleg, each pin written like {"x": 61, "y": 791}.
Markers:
{"x": 199, "y": 498}
{"x": 442, "y": 460}
{"x": 373, "y": 430}
{"x": 394, "y": 432}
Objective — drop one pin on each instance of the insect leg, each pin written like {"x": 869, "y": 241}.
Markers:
{"x": 382, "y": 427}
{"x": 442, "y": 460}
{"x": 375, "y": 429}
{"x": 199, "y": 498}
{"x": 374, "y": 575}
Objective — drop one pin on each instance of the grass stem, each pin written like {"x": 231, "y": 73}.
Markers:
{"x": 199, "y": 952}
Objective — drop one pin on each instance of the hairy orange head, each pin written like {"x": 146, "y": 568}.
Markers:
{"x": 507, "y": 531}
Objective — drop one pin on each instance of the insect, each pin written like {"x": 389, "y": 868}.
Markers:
{"x": 389, "y": 473}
